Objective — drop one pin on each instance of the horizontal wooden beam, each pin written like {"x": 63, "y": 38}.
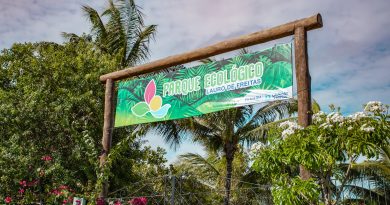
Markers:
{"x": 243, "y": 41}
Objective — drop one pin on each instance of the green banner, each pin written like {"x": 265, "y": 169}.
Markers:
{"x": 242, "y": 80}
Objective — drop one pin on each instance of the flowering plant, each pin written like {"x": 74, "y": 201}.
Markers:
{"x": 45, "y": 180}
{"x": 139, "y": 201}
{"x": 333, "y": 141}
{"x": 8, "y": 200}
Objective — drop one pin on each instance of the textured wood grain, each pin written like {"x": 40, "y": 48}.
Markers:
{"x": 277, "y": 32}
{"x": 107, "y": 128}
{"x": 303, "y": 84}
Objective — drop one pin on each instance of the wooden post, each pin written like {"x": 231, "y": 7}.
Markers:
{"x": 107, "y": 129}
{"x": 303, "y": 84}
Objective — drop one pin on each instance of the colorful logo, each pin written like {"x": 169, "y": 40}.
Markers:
{"x": 152, "y": 104}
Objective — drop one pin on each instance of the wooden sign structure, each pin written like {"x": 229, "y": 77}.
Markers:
{"x": 297, "y": 28}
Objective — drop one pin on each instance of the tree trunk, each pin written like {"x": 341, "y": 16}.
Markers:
{"x": 325, "y": 191}
{"x": 229, "y": 154}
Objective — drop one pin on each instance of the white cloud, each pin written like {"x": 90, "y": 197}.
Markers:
{"x": 349, "y": 56}
{"x": 42, "y": 20}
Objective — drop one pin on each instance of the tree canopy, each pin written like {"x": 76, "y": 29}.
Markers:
{"x": 329, "y": 149}
{"x": 51, "y": 120}
{"x": 119, "y": 31}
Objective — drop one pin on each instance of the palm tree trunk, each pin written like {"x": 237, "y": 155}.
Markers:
{"x": 326, "y": 195}
{"x": 229, "y": 154}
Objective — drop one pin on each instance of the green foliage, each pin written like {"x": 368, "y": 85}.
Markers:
{"x": 328, "y": 149}
{"x": 212, "y": 168}
{"x": 52, "y": 105}
{"x": 223, "y": 131}
{"x": 291, "y": 191}
{"x": 376, "y": 172}
{"x": 208, "y": 175}
{"x": 129, "y": 161}
{"x": 123, "y": 35}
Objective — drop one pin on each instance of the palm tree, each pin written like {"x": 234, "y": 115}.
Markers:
{"x": 209, "y": 171}
{"x": 223, "y": 131}
{"x": 124, "y": 35}
{"x": 370, "y": 179}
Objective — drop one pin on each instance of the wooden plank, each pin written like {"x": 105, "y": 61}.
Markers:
{"x": 107, "y": 128}
{"x": 303, "y": 84}
{"x": 277, "y": 32}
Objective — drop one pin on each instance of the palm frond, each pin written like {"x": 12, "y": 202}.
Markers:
{"x": 244, "y": 51}
{"x": 257, "y": 133}
{"x": 273, "y": 111}
{"x": 132, "y": 24}
{"x": 385, "y": 154}
{"x": 199, "y": 163}
{"x": 207, "y": 60}
{"x": 131, "y": 12}
{"x": 173, "y": 132}
{"x": 376, "y": 170}
{"x": 368, "y": 195}
{"x": 267, "y": 114}
{"x": 214, "y": 121}
{"x": 116, "y": 39}
{"x": 315, "y": 107}
{"x": 132, "y": 18}
{"x": 206, "y": 133}
{"x": 127, "y": 35}
{"x": 242, "y": 115}
{"x": 69, "y": 36}
{"x": 139, "y": 50}
{"x": 98, "y": 27}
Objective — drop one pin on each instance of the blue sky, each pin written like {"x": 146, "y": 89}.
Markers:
{"x": 349, "y": 57}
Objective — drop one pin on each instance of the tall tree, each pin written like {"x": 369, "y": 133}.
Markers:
{"x": 51, "y": 118}
{"x": 209, "y": 170}
{"x": 223, "y": 131}
{"x": 124, "y": 35}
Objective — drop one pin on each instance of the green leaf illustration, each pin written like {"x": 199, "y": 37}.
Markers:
{"x": 140, "y": 109}
{"x": 279, "y": 75}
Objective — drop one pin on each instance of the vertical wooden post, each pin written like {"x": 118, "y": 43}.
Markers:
{"x": 303, "y": 84}
{"x": 107, "y": 129}
{"x": 173, "y": 183}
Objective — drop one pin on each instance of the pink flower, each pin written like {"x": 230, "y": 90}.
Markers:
{"x": 21, "y": 191}
{"x": 46, "y": 158}
{"x": 117, "y": 203}
{"x": 64, "y": 201}
{"x": 8, "y": 199}
{"x": 56, "y": 192}
{"x": 99, "y": 201}
{"x": 63, "y": 187}
{"x": 32, "y": 183}
{"x": 139, "y": 201}
{"x": 23, "y": 183}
